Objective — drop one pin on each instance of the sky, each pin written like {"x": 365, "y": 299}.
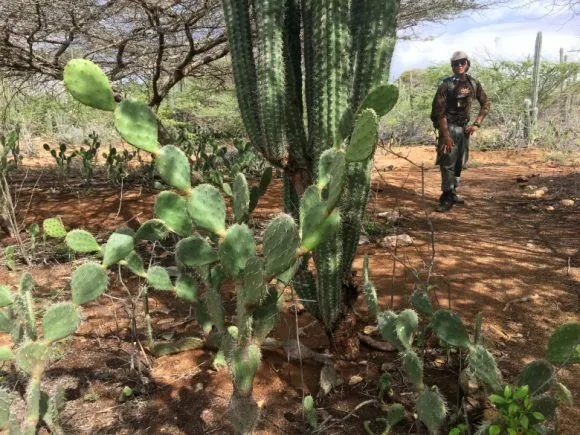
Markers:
{"x": 507, "y": 32}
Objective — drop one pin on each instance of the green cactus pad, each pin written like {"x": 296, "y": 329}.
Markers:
{"x": 308, "y": 404}
{"x": 60, "y": 321}
{"x": 450, "y": 329}
{"x": 135, "y": 264}
{"x": 369, "y": 290}
{"x": 6, "y": 297}
{"x": 564, "y": 345}
{"x": 253, "y": 286}
{"x": 136, "y": 123}
{"x": 82, "y": 241}
{"x": 26, "y": 284}
{"x": 244, "y": 365}
{"x": 6, "y": 323}
{"x": 265, "y": 180}
{"x": 159, "y": 279}
{"x": 324, "y": 167}
{"x": 381, "y": 99}
{"x": 173, "y": 166}
{"x": 395, "y": 415}
{"x": 88, "y": 282}
{"x": 545, "y": 405}
{"x": 405, "y": 326}
{"x": 5, "y": 402}
{"x": 310, "y": 199}
{"x": 338, "y": 174}
{"x": 202, "y": 316}
{"x": 483, "y": 366}
{"x": 117, "y": 248}
{"x": 31, "y": 356}
{"x": 88, "y": 84}
{"x": 281, "y": 242}
{"x": 207, "y": 209}
{"x": 254, "y": 198}
{"x": 235, "y": 250}
{"x": 172, "y": 210}
{"x": 152, "y": 230}
{"x": 413, "y": 368}
{"x": 563, "y": 395}
{"x": 6, "y": 354}
{"x": 266, "y": 315}
{"x": 387, "y": 321}
{"x": 319, "y": 227}
{"x": 431, "y": 409}
{"x": 186, "y": 288}
{"x": 241, "y": 198}
{"x": 538, "y": 376}
{"x": 53, "y": 227}
{"x": 364, "y": 137}
{"x": 195, "y": 251}
{"x": 421, "y": 303}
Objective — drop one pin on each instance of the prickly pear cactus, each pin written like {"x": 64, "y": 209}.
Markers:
{"x": 30, "y": 352}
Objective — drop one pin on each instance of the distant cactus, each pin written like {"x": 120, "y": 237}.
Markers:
{"x": 535, "y": 86}
{"x": 31, "y": 353}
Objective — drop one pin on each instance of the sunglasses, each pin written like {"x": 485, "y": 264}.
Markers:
{"x": 460, "y": 62}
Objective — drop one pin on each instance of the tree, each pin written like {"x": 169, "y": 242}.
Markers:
{"x": 158, "y": 42}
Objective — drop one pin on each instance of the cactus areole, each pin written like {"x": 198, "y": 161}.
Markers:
{"x": 313, "y": 79}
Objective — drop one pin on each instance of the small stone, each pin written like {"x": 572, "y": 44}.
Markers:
{"x": 363, "y": 240}
{"x": 388, "y": 367}
{"x": 550, "y": 208}
{"x": 539, "y": 193}
{"x": 531, "y": 187}
{"x": 399, "y": 240}
{"x": 363, "y": 362}
{"x": 391, "y": 216}
{"x": 198, "y": 387}
{"x": 356, "y": 379}
{"x": 567, "y": 202}
{"x": 370, "y": 329}
{"x": 208, "y": 417}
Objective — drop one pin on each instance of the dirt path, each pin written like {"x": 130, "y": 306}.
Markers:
{"x": 498, "y": 247}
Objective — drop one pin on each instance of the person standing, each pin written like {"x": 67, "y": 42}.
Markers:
{"x": 450, "y": 115}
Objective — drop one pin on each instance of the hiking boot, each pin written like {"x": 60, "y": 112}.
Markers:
{"x": 457, "y": 199}
{"x": 445, "y": 202}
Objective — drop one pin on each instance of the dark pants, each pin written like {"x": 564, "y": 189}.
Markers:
{"x": 451, "y": 162}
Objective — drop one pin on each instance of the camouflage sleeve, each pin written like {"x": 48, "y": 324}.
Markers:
{"x": 483, "y": 102}
{"x": 438, "y": 110}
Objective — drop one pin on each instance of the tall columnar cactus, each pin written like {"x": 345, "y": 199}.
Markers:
{"x": 31, "y": 353}
{"x": 340, "y": 64}
{"x": 211, "y": 252}
{"x": 536, "y": 81}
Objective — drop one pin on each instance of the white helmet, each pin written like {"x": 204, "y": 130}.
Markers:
{"x": 458, "y": 55}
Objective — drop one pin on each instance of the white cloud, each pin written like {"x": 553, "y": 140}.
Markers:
{"x": 504, "y": 33}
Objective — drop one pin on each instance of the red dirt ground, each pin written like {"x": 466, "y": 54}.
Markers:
{"x": 500, "y": 246}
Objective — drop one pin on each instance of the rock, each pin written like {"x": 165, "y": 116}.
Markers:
{"x": 209, "y": 417}
{"x": 388, "y": 367}
{"x": 550, "y": 208}
{"x": 391, "y": 216}
{"x": 531, "y": 187}
{"x": 198, "y": 387}
{"x": 567, "y": 202}
{"x": 363, "y": 240}
{"x": 356, "y": 379}
{"x": 399, "y": 240}
{"x": 522, "y": 179}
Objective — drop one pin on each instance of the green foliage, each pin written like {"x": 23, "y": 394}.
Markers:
{"x": 10, "y": 146}
{"x": 311, "y": 417}
{"x": 61, "y": 158}
{"x": 31, "y": 355}
{"x": 516, "y": 412}
{"x": 117, "y": 164}
{"x": 89, "y": 156}
{"x": 564, "y": 344}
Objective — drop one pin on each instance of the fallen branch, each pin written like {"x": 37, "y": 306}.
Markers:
{"x": 522, "y": 299}
{"x": 383, "y": 346}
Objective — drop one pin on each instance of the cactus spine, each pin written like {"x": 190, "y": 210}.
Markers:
{"x": 347, "y": 49}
